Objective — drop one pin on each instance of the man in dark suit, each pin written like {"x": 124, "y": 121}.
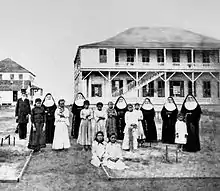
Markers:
{"x": 22, "y": 112}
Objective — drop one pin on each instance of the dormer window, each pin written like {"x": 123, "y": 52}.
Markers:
{"x": 102, "y": 55}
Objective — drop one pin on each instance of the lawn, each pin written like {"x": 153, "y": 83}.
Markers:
{"x": 71, "y": 170}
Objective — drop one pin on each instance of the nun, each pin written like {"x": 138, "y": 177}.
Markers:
{"x": 50, "y": 107}
{"x": 121, "y": 108}
{"x": 169, "y": 114}
{"x": 148, "y": 122}
{"x": 76, "y": 109}
{"x": 192, "y": 112}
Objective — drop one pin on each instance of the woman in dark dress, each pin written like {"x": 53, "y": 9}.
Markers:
{"x": 49, "y": 106}
{"x": 192, "y": 112}
{"x": 148, "y": 122}
{"x": 76, "y": 109}
{"x": 169, "y": 114}
{"x": 121, "y": 108}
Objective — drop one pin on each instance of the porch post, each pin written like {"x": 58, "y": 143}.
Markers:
{"x": 193, "y": 88}
{"x": 166, "y": 85}
{"x": 136, "y": 55}
{"x": 165, "y": 55}
{"x": 137, "y": 84}
{"x": 109, "y": 87}
{"x": 192, "y": 56}
{"x": 90, "y": 87}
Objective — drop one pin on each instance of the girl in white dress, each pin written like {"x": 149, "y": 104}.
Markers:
{"x": 85, "y": 136}
{"x": 113, "y": 154}
{"x": 181, "y": 131}
{"x": 100, "y": 119}
{"x": 131, "y": 121}
{"x": 61, "y": 136}
{"x": 98, "y": 149}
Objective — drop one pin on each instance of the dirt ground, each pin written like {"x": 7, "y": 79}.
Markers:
{"x": 71, "y": 169}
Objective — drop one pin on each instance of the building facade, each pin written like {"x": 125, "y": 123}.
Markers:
{"x": 150, "y": 62}
{"x": 13, "y": 78}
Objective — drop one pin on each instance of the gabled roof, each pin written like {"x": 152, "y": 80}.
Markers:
{"x": 157, "y": 37}
{"x": 9, "y": 66}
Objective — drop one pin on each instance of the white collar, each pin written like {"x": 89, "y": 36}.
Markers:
{"x": 147, "y": 106}
{"x": 170, "y": 106}
{"x": 190, "y": 105}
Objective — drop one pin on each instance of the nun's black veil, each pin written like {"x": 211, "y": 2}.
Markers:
{"x": 118, "y": 100}
{"x": 183, "y": 105}
{"x": 77, "y": 97}
{"x": 51, "y": 97}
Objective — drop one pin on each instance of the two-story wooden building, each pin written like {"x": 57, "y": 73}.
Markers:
{"x": 13, "y": 78}
{"x": 149, "y": 62}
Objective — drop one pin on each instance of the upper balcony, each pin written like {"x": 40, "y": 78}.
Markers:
{"x": 150, "y": 59}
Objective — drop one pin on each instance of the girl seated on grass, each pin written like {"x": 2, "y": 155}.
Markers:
{"x": 98, "y": 149}
{"x": 113, "y": 154}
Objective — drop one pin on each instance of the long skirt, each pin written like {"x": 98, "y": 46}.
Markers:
{"x": 111, "y": 126}
{"x": 49, "y": 130}
{"x": 119, "y": 165}
{"x": 61, "y": 136}
{"x": 85, "y": 136}
{"x": 100, "y": 126}
{"x": 37, "y": 138}
{"x": 22, "y": 130}
{"x": 130, "y": 138}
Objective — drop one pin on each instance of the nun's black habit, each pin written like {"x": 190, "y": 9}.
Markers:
{"x": 148, "y": 122}
{"x": 121, "y": 108}
{"x": 192, "y": 113}
{"x": 76, "y": 109}
{"x": 169, "y": 117}
{"x": 50, "y": 118}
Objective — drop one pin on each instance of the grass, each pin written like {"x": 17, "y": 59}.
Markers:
{"x": 71, "y": 170}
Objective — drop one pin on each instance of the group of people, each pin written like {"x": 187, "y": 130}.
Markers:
{"x": 134, "y": 124}
{"x": 130, "y": 123}
{"x": 49, "y": 122}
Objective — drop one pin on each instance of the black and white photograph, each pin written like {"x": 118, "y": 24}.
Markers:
{"x": 103, "y": 95}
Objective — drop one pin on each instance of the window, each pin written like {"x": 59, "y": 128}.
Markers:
{"x": 15, "y": 96}
{"x": 177, "y": 88}
{"x": 20, "y": 76}
{"x": 161, "y": 88}
{"x": 206, "y": 89}
{"x": 102, "y": 55}
{"x": 96, "y": 90}
{"x": 205, "y": 56}
{"x": 145, "y": 56}
{"x": 116, "y": 55}
{"x": 117, "y": 85}
{"x": 148, "y": 90}
{"x": 12, "y": 76}
{"x": 190, "y": 88}
{"x": 130, "y": 55}
{"x": 0, "y": 76}
{"x": 160, "y": 56}
{"x": 176, "y": 55}
{"x": 189, "y": 56}
{"x": 130, "y": 84}
{"x": 218, "y": 89}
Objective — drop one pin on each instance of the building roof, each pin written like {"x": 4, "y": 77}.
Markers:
{"x": 9, "y": 66}
{"x": 157, "y": 37}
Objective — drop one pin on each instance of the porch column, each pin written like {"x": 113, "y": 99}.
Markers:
{"x": 90, "y": 87}
{"x": 137, "y": 84}
{"x": 193, "y": 87}
{"x": 87, "y": 87}
{"x": 219, "y": 85}
{"x": 136, "y": 55}
{"x": 165, "y": 55}
{"x": 192, "y": 56}
{"x": 109, "y": 87}
{"x": 166, "y": 85}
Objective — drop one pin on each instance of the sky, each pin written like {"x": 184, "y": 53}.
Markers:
{"x": 43, "y": 35}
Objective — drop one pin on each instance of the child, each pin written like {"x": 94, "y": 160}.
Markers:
{"x": 85, "y": 136}
{"x": 98, "y": 149}
{"x": 100, "y": 119}
{"x": 111, "y": 120}
{"x": 130, "y": 131}
{"x": 37, "y": 134}
{"x": 113, "y": 154}
{"x": 138, "y": 113}
{"x": 61, "y": 135}
{"x": 181, "y": 131}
